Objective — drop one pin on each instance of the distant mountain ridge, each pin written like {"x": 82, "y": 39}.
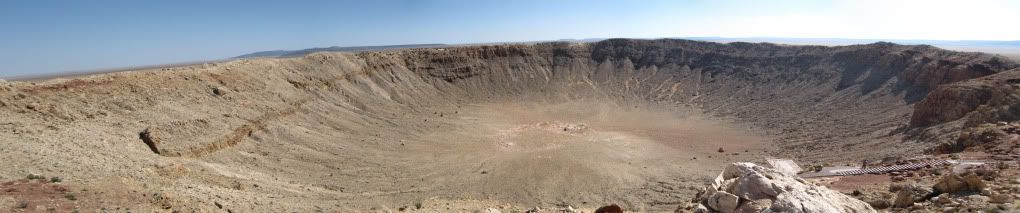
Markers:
{"x": 850, "y": 41}
{"x": 293, "y": 53}
{"x": 1007, "y": 48}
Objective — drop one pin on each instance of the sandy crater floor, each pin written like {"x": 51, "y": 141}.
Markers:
{"x": 580, "y": 154}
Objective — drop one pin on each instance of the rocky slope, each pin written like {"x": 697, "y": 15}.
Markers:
{"x": 399, "y": 128}
{"x": 966, "y": 106}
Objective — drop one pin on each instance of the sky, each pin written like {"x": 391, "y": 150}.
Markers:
{"x": 48, "y": 36}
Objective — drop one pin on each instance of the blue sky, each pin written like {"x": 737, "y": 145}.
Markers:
{"x": 45, "y": 36}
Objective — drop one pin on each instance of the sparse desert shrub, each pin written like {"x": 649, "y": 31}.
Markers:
{"x": 56, "y": 179}
{"x": 22, "y": 204}
{"x": 70, "y": 196}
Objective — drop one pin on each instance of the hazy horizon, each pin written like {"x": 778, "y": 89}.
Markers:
{"x": 45, "y": 37}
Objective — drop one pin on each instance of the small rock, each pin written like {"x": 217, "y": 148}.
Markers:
{"x": 219, "y": 90}
{"x": 879, "y": 203}
{"x": 978, "y": 198}
{"x": 942, "y": 199}
{"x": 723, "y": 201}
{"x": 609, "y": 209}
{"x": 701, "y": 209}
{"x": 985, "y": 171}
{"x": 489, "y": 210}
{"x": 1003, "y": 207}
{"x": 897, "y": 187}
{"x": 986, "y": 192}
{"x": 916, "y": 206}
{"x": 898, "y": 178}
{"x": 534, "y": 210}
{"x": 1001, "y": 198}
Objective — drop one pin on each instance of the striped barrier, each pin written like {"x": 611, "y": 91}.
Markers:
{"x": 892, "y": 168}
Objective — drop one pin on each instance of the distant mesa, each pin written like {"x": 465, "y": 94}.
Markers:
{"x": 294, "y": 53}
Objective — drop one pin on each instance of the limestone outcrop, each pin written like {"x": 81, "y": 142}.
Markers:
{"x": 746, "y": 187}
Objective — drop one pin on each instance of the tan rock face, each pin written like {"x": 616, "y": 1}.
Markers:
{"x": 948, "y": 103}
{"x": 992, "y": 98}
{"x": 911, "y": 194}
{"x": 746, "y": 187}
{"x": 953, "y": 183}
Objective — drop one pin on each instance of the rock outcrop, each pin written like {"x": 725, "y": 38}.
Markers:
{"x": 961, "y": 115}
{"x": 908, "y": 195}
{"x": 983, "y": 100}
{"x": 954, "y": 183}
{"x": 746, "y": 187}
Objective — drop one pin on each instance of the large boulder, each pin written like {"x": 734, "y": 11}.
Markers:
{"x": 910, "y": 194}
{"x": 746, "y": 187}
{"x": 953, "y": 183}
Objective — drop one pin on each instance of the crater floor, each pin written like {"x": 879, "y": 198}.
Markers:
{"x": 587, "y": 152}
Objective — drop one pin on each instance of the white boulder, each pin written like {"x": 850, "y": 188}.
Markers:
{"x": 746, "y": 186}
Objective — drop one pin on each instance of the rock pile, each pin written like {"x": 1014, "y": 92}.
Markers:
{"x": 983, "y": 188}
{"x": 746, "y": 187}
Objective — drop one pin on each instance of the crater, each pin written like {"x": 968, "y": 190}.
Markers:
{"x": 639, "y": 123}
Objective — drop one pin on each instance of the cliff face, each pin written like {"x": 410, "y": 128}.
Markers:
{"x": 988, "y": 99}
{"x": 956, "y": 116}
